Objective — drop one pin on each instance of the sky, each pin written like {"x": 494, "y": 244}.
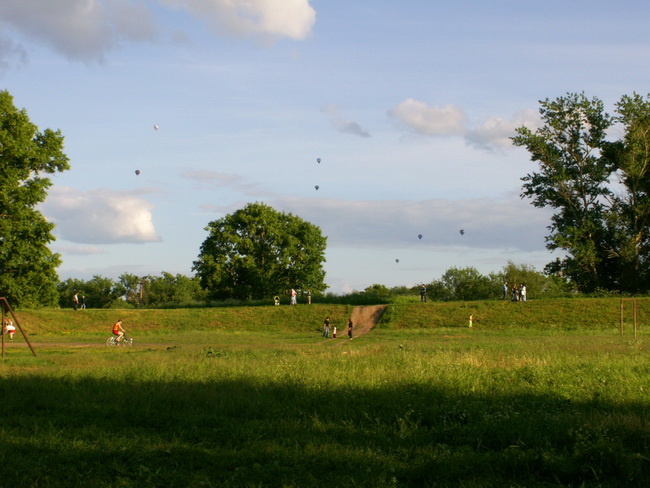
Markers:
{"x": 409, "y": 105}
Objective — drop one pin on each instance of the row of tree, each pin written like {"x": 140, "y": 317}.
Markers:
{"x": 169, "y": 290}
{"x": 467, "y": 283}
{"x": 166, "y": 290}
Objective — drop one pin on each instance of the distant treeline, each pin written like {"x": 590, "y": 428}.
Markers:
{"x": 174, "y": 291}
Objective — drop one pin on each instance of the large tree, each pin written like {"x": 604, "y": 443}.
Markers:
{"x": 27, "y": 265}
{"x": 573, "y": 180}
{"x": 599, "y": 189}
{"x": 258, "y": 252}
{"x": 630, "y": 216}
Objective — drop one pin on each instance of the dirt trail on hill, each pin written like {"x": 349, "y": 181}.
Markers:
{"x": 364, "y": 319}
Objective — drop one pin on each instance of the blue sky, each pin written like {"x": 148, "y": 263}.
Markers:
{"x": 408, "y": 104}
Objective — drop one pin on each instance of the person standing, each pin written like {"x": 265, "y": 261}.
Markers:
{"x": 349, "y": 328}
{"x": 334, "y": 332}
{"x": 83, "y": 302}
{"x": 423, "y": 293}
{"x": 505, "y": 290}
{"x": 522, "y": 292}
{"x": 326, "y": 328}
{"x": 75, "y": 300}
{"x": 293, "y": 296}
{"x": 471, "y": 320}
{"x": 308, "y": 297}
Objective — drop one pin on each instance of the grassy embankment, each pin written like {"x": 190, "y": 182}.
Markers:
{"x": 421, "y": 401}
{"x": 540, "y": 315}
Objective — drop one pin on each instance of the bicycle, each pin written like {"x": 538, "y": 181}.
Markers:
{"x": 126, "y": 341}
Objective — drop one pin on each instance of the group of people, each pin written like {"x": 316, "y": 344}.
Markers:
{"x": 78, "y": 302}
{"x": 327, "y": 328}
{"x": 518, "y": 293}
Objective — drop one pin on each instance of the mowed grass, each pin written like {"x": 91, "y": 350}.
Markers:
{"x": 273, "y": 404}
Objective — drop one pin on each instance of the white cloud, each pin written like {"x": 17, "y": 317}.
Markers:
{"x": 267, "y": 19}
{"x": 100, "y": 216}
{"x": 496, "y": 132}
{"x": 79, "y": 29}
{"x": 87, "y": 30}
{"x": 432, "y": 121}
{"x": 493, "y": 133}
{"x": 343, "y": 125}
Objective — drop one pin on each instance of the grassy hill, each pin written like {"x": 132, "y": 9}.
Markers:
{"x": 560, "y": 313}
{"x": 573, "y": 313}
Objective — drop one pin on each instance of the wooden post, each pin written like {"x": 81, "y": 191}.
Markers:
{"x": 7, "y": 307}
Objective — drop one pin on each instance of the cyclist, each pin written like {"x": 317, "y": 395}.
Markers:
{"x": 118, "y": 331}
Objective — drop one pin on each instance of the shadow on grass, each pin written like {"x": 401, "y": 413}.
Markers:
{"x": 130, "y": 433}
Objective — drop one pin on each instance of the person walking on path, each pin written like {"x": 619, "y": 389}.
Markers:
{"x": 326, "y": 328}
{"x": 350, "y": 328}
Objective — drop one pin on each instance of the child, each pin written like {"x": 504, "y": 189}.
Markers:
{"x": 9, "y": 328}
{"x": 471, "y": 318}
{"x": 349, "y": 329}
{"x": 334, "y": 333}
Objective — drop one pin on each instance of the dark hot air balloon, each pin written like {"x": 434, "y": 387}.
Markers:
{"x": 137, "y": 171}
{"x": 317, "y": 187}
{"x": 419, "y": 236}
{"x": 318, "y": 160}
{"x": 462, "y": 232}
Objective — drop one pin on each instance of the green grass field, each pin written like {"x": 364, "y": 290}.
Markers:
{"x": 254, "y": 397}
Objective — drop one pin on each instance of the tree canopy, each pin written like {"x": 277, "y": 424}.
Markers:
{"x": 257, "y": 252}
{"x": 27, "y": 266}
{"x": 598, "y": 189}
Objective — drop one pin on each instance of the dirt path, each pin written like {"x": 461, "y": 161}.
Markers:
{"x": 364, "y": 319}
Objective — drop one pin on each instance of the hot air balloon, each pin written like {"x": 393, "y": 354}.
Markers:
{"x": 137, "y": 171}
{"x": 419, "y": 236}
{"x": 397, "y": 260}
{"x": 155, "y": 126}
{"x": 317, "y": 187}
{"x": 318, "y": 160}
{"x": 462, "y": 232}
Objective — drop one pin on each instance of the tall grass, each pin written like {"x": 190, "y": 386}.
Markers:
{"x": 284, "y": 408}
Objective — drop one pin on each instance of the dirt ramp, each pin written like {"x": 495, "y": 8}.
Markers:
{"x": 365, "y": 318}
